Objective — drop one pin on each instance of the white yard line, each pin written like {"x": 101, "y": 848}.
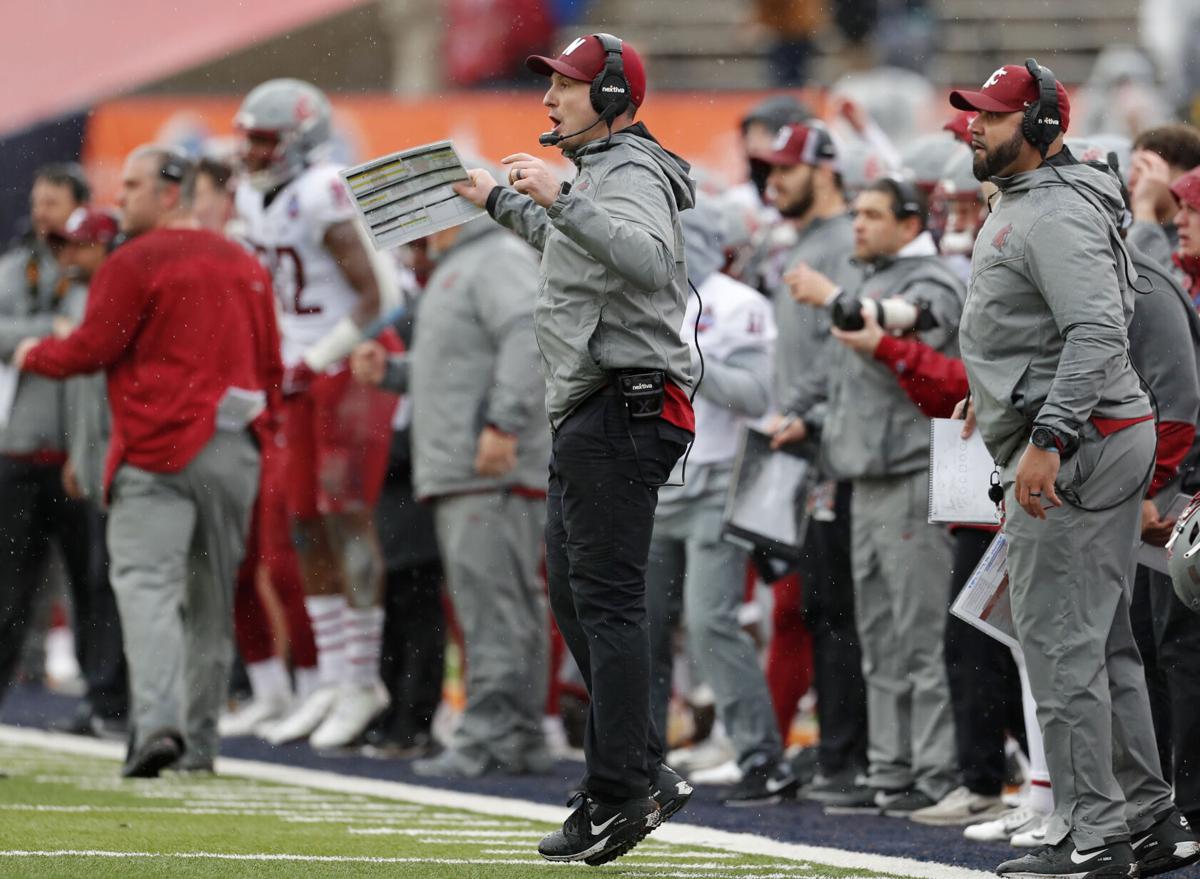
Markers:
{"x": 675, "y": 832}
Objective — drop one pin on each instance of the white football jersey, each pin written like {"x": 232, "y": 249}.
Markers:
{"x": 288, "y": 235}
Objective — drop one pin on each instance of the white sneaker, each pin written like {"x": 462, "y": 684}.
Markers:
{"x": 1032, "y": 838}
{"x": 252, "y": 716}
{"x": 353, "y": 712}
{"x": 711, "y": 752}
{"x": 1002, "y": 829}
{"x": 726, "y": 773}
{"x": 304, "y": 718}
{"x": 959, "y": 807}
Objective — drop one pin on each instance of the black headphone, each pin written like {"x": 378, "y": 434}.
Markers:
{"x": 1042, "y": 122}
{"x": 175, "y": 166}
{"x": 610, "y": 89}
{"x": 907, "y": 200}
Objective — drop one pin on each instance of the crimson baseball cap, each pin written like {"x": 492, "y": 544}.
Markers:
{"x": 801, "y": 143}
{"x": 88, "y": 225}
{"x": 1008, "y": 90}
{"x": 583, "y": 58}
{"x": 960, "y": 125}
{"x": 1186, "y": 189}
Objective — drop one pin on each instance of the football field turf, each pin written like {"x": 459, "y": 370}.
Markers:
{"x": 65, "y": 812}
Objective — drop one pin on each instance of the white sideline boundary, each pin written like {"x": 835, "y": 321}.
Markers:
{"x": 673, "y": 832}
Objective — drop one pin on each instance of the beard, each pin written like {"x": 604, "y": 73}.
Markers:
{"x": 801, "y": 204}
{"x": 993, "y": 161}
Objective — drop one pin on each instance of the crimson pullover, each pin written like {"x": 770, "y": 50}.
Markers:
{"x": 174, "y": 318}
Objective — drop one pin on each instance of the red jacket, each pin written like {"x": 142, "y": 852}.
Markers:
{"x": 174, "y": 318}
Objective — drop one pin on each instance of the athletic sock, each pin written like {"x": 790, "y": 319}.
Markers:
{"x": 307, "y": 680}
{"x": 327, "y": 613}
{"x": 364, "y": 633}
{"x": 269, "y": 680}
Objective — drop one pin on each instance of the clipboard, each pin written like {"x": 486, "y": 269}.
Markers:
{"x": 766, "y": 508}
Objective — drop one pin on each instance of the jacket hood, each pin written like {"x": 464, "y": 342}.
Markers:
{"x": 639, "y": 137}
{"x": 1094, "y": 182}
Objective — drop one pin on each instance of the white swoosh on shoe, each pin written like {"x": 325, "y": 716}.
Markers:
{"x": 597, "y": 829}
{"x": 1077, "y": 858}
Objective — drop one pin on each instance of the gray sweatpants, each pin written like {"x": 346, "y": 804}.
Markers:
{"x": 900, "y": 563}
{"x": 688, "y": 556}
{"x": 175, "y": 541}
{"x": 1071, "y": 577}
{"x": 491, "y": 545}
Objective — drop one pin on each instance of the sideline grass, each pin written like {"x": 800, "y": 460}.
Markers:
{"x": 64, "y": 815}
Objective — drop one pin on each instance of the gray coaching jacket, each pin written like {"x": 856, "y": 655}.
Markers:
{"x": 613, "y": 286}
{"x": 1044, "y": 330}
{"x": 873, "y": 429}
{"x": 35, "y": 423}
{"x": 805, "y": 349}
{"x": 474, "y": 362}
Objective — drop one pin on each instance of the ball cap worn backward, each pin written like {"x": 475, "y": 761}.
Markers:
{"x": 801, "y": 144}
{"x": 1186, "y": 189}
{"x": 1007, "y": 90}
{"x": 87, "y": 225}
{"x": 583, "y": 58}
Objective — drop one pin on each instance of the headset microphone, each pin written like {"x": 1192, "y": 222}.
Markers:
{"x": 550, "y": 139}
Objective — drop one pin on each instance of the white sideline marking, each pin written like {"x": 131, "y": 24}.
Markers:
{"x": 674, "y": 832}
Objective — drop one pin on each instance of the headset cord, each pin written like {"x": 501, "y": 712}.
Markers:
{"x": 691, "y": 400}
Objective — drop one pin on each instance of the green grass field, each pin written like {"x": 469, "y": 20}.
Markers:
{"x": 67, "y": 815}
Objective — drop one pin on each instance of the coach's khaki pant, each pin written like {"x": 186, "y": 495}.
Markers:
{"x": 1071, "y": 576}
{"x": 901, "y": 564}
{"x": 175, "y": 541}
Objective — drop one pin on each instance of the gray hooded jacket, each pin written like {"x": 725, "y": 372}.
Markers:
{"x": 613, "y": 283}
{"x": 473, "y": 363}
{"x": 873, "y": 428}
{"x": 1044, "y": 330}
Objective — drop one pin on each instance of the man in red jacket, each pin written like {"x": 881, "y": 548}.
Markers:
{"x": 182, "y": 322}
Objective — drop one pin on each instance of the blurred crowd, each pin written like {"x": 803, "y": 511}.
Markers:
{"x": 350, "y": 485}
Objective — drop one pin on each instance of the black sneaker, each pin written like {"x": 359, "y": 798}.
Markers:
{"x": 764, "y": 783}
{"x": 595, "y": 830}
{"x": 161, "y": 748}
{"x": 1168, "y": 845}
{"x": 837, "y": 787}
{"x": 904, "y": 803}
{"x": 1113, "y": 861}
{"x": 858, "y": 798}
{"x": 671, "y": 792}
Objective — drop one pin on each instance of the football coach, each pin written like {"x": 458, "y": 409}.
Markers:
{"x": 607, "y": 318}
{"x": 1063, "y": 413}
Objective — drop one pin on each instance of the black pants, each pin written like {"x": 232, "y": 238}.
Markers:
{"x": 599, "y": 519}
{"x": 985, "y": 688}
{"x": 1177, "y": 640}
{"x": 414, "y": 644}
{"x": 34, "y": 508}
{"x": 828, "y": 610}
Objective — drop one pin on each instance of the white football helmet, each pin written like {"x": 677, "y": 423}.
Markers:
{"x": 297, "y": 116}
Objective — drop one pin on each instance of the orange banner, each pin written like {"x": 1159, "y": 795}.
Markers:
{"x": 701, "y": 127}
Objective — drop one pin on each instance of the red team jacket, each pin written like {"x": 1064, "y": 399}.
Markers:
{"x": 175, "y": 318}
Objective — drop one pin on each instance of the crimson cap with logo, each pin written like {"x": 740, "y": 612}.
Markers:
{"x": 1009, "y": 90}
{"x": 1186, "y": 189}
{"x": 87, "y": 225}
{"x": 801, "y": 144}
{"x": 583, "y": 58}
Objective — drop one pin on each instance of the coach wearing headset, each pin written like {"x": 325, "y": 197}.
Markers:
{"x": 1061, "y": 409}
{"x": 608, "y": 316}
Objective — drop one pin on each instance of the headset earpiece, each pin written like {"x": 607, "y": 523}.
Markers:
{"x": 1042, "y": 122}
{"x": 610, "y": 89}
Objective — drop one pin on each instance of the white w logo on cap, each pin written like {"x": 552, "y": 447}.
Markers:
{"x": 995, "y": 78}
{"x": 575, "y": 44}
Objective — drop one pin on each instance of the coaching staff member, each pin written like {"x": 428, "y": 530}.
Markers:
{"x": 182, "y": 322}
{"x": 608, "y": 315}
{"x": 1044, "y": 341}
